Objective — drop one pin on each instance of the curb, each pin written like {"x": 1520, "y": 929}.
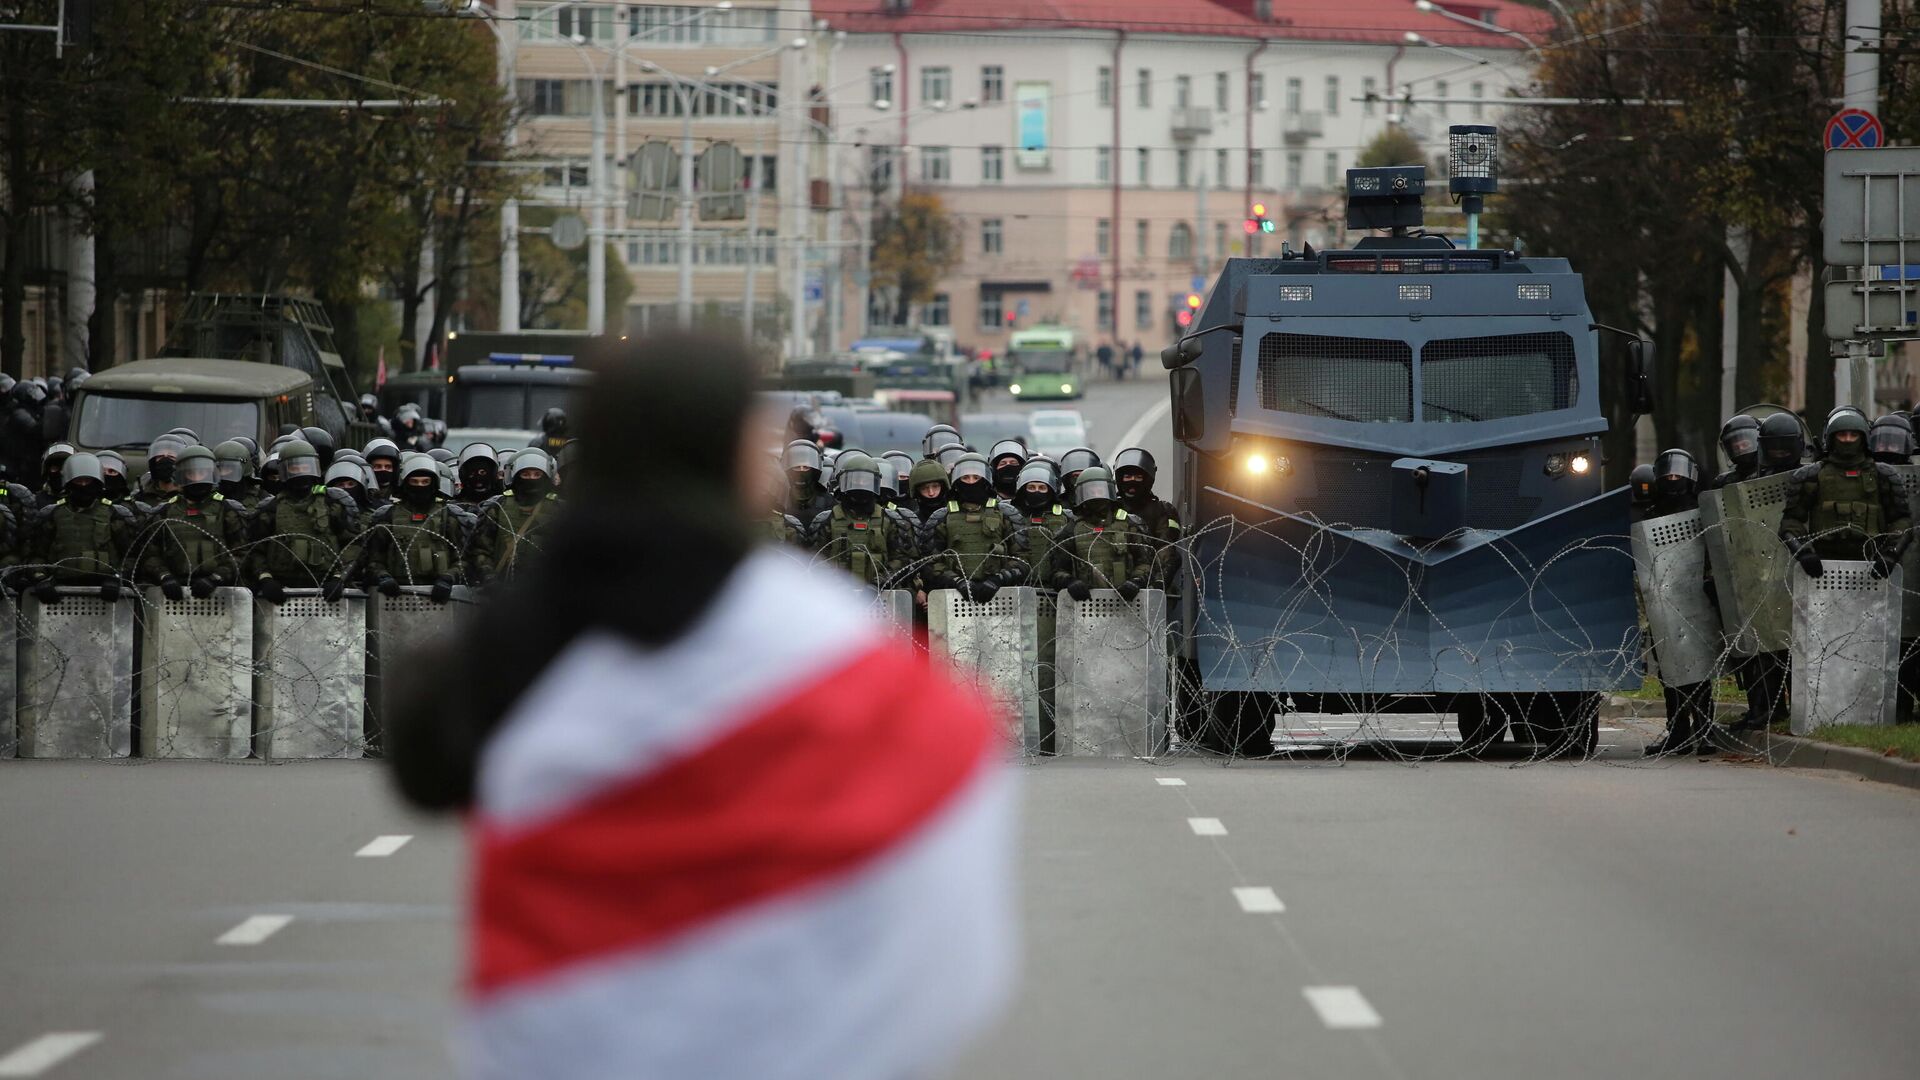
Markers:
{"x": 1785, "y": 751}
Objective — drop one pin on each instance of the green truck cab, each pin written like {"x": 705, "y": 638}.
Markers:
{"x": 125, "y": 408}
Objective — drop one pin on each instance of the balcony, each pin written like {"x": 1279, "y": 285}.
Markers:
{"x": 1191, "y": 123}
{"x": 1297, "y": 128}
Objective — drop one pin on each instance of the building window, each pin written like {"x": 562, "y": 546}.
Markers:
{"x": 1263, "y": 10}
{"x": 1143, "y": 309}
{"x": 1477, "y": 110}
{"x": 992, "y": 239}
{"x": 1144, "y": 87}
{"x": 1103, "y": 316}
{"x": 992, "y": 317}
{"x": 730, "y": 99}
{"x": 1183, "y": 168}
{"x": 1332, "y": 176}
{"x": 1106, "y": 86}
{"x": 1222, "y": 87}
{"x": 1333, "y": 95}
{"x": 1369, "y": 89}
{"x": 1293, "y": 97}
{"x": 1257, "y": 91}
{"x": 1293, "y": 170}
{"x": 549, "y": 97}
{"x": 993, "y": 83}
{"x": 1219, "y": 240}
{"x": 880, "y": 87}
{"x": 668, "y": 24}
{"x": 1103, "y": 163}
{"x": 936, "y": 165}
{"x": 880, "y": 161}
{"x": 937, "y": 311}
{"x": 1180, "y": 241}
{"x": 936, "y": 85}
{"x": 583, "y": 21}
{"x": 1140, "y": 238}
{"x": 1103, "y": 236}
{"x": 1143, "y": 166}
{"x": 1440, "y": 91}
{"x": 1182, "y": 91}
{"x": 1220, "y": 166}
{"x": 991, "y": 164}
{"x": 1257, "y": 168}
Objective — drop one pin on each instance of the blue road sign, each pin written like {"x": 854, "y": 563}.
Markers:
{"x": 1021, "y": 309}
{"x": 1854, "y": 129}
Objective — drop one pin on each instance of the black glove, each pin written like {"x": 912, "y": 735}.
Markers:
{"x": 1062, "y": 580}
{"x": 46, "y": 592}
{"x": 1080, "y": 590}
{"x": 170, "y": 588}
{"x": 1128, "y": 590}
{"x": 1882, "y": 565}
{"x": 387, "y": 585}
{"x": 332, "y": 589}
{"x": 1809, "y": 561}
{"x": 270, "y": 590}
{"x": 984, "y": 591}
{"x": 202, "y": 586}
{"x": 110, "y": 590}
{"x": 442, "y": 590}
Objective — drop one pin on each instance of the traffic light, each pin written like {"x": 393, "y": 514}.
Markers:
{"x": 1183, "y": 319}
{"x": 1193, "y": 301}
{"x": 1259, "y": 222}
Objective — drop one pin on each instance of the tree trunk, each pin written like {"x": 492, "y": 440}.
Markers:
{"x": 1818, "y": 388}
{"x": 103, "y": 330}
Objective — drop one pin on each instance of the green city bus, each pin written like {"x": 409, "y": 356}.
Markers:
{"x": 1046, "y": 364}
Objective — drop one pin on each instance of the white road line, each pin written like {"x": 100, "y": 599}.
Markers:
{"x": 36, "y": 1057}
{"x": 1341, "y": 1007}
{"x": 382, "y": 846}
{"x": 1169, "y": 781}
{"x": 1206, "y": 826}
{"x": 1147, "y": 419}
{"x": 254, "y": 929}
{"x": 1258, "y": 900}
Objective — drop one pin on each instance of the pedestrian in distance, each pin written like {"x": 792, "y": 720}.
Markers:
{"x": 724, "y": 823}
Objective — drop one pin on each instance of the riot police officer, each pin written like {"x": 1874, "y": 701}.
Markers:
{"x": 776, "y": 524}
{"x": 322, "y": 442}
{"x": 419, "y": 539}
{"x": 858, "y": 535}
{"x": 479, "y": 470}
{"x": 21, "y": 438}
{"x": 410, "y": 428}
{"x": 1847, "y": 506}
{"x": 938, "y": 437}
{"x": 900, "y": 464}
{"x": 512, "y": 525}
{"x": 383, "y": 457}
{"x": 1007, "y": 458}
{"x": 1072, "y": 464}
{"x": 306, "y": 534}
{"x": 1740, "y": 439}
{"x": 1102, "y": 548}
{"x": 972, "y": 542}
{"x": 1783, "y": 444}
{"x": 1890, "y": 440}
{"x": 113, "y": 473}
{"x": 83, "y": 537}
{"x": 233, "y": 465}
{"x": 350, "y": 477}
{"x": 553, "y": 431}
{"x": 158, "y": 484}
{"x": 807, "y": 496}
{"x": 1134, "y": 473}
{"x": 196, "y": 537}
{"x": 1690, "y": 706}
{"x": 1037, "y": 498}
{"x": 50, "y": 463}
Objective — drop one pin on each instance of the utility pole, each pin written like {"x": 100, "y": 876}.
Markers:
{"x": 1853, "y": 376}
{"x": 753, "y": 237}
{"x": 509, "y": 314}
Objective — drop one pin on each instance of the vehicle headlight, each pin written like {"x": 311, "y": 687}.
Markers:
{"x": 1013, "y": 388}
{"x": 1257, "y": 464}
{"x": 1066, "y": 388}
{"x": 1580, "y": 464}
{"x": 1556, "y": 465}
{"x": 1260, "y": 464}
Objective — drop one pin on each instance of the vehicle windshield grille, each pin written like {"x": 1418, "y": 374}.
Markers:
{"x": 1490, "y": 378}
{"x": 1361, "y": 380}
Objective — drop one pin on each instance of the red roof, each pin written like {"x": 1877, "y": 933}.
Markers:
{"x": 1378, "y": 21}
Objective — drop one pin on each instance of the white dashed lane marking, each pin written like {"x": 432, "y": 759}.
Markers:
{"x": 1169, "y": 781}
{"x": 1342, "y": 1008}
{"x": 1258, "y": 900}
{"x": 1206, "y": 826}
{"x": 254, "y": 929}
{"x": 36, "y": 1057}
{"x": 382, "y": 846}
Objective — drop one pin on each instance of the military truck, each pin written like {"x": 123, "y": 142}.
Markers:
{"x": 1389, "y": 466}
{"x": 125, "y": 408}
{"x": 286, "y": 331}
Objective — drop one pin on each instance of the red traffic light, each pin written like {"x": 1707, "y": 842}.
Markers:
{"x": 1184, "y": 318}
{"x": 1012, "y": 316}
{"x": 1251, "y": 226}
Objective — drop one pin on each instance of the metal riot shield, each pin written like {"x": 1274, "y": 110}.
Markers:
{"x": 1846, "y": 646}
{"x": 76, "y": 677}
{"x": 9, "y": 674}
{"x": 1111, "y": 687}
{"x": 1670, "y": 562}
{"x": 995, "y": 643}
{"x": 399, "y": 624}
{"x": 310, "y": 672}
{"x": 1046, "y": 634}
{"x": 895, "y": 608}
{"x": 1741, "y": 524}
{"x": 196, "y": 675}
{"x": 1910, "y": 593}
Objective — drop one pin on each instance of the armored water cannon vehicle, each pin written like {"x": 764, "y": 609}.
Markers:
{"x": 1390, "y": 472}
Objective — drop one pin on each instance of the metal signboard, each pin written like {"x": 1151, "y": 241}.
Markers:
{"x": 994, "y": 643}
{"x": 1110, "y": 691}
{"x": 1741, "y": 523}
{"x": 1876, "y": 308}
{"x": 310, "y": 676}
{"x": 1854, "y": 129}
{"x": 76, "y": 677}
{"x": 1872, "y": 201}
{"x": 1670, "y": 562}
{"x": 568, "y": 232}
{"x": 1032, "y": 106}
{"x": 1846, "y": 647}
{"x": 196, "y": 675}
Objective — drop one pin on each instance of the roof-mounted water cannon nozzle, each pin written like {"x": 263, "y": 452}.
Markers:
{"x": 1473, "y": 166}
{"x": 1386, "y": 198}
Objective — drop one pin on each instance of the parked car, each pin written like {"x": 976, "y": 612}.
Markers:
{"x": 1055, "y": 431}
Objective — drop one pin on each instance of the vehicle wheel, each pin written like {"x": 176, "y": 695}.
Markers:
{"x": 1482, "y": 720}
{"x": 1568, "y": 723}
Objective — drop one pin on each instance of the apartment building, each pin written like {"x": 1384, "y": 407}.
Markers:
{"x": 1100, "y": 158}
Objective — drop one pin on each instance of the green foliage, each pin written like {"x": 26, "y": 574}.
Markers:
{"x": 1393, "y": 146}
{"x": 915, "y": 244}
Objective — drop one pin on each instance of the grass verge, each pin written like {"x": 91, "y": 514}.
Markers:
{"x": 1898, "y": 740}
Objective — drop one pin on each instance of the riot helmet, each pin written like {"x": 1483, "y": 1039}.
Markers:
{"x": 532, "y": 475}
{"x": 349, "y": 477}
{"x": 369, "y": 406}
{"x": 1783, "y": 442}
{"x": 949, "y": 454}
{"x": 1134, "y": 472}
{"x": 479, "y": 469}
{"x": 1641, "y": 482}
{"x": 970, "y": 479}
{"x": 1072, "y": 464}
{"x": 162, "y": 453}
{"x": 253, "y": 449}
{"x": 441, "y": 455}
{"x": 300, "y": 469}
{"x": 113, "y": 474}
{"x": 449, "y": 484}
{"x": 900, "y": 464}
{"x": 1740, "y": 439}
{"x": 28, "y": 394}
{"x": 419, "y": 481}
{"x": 233, "y": 464}
{"x": 322, "y": 442}
{"x": 1890, "y": 440}
{"x": 270, "y": 479}
{"x": 1006, "y": 457}
{"x": 1094, "y": 491}
{"x": 50, "y": 462}
{"x": 80, "y": 479}
{"x": 1846, "y": 435}
{"x": 1676, "y": 473}
{"x": 190, "y": 436}
{"x": 801, "y": 460}
{"x": 554, "y": 423}
{"x": 937, "y": 437}
{"x": 1036, "y": 488}
{"x": 859, "y": 483}
{"x": 383, "y": 456}
{"x": 197, "y": 472}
